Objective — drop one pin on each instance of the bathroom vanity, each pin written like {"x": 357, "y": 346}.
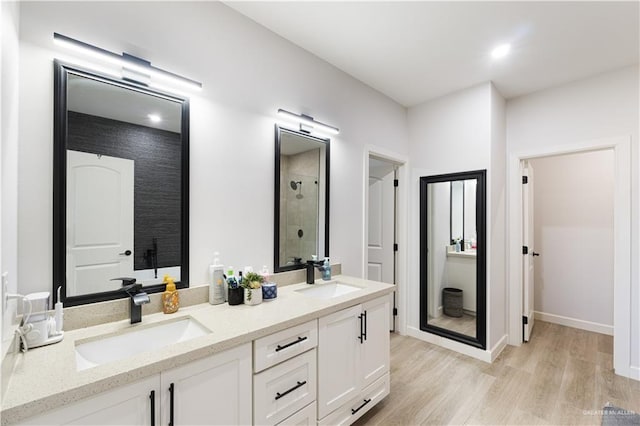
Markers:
{"x": 316, "y": 355}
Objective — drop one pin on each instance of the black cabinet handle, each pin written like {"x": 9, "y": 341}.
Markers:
{"x": 171, "y": 391}
{"x": 152, "y": 397}
{"x": 280, "y": 395}
{"x": 295, "y": 342}
{"x": 355, "y": 410}
{"x": 535, "y": 254}
{"x": 365, "y": 325}
{"x": 361, "y": 336}
{"x": 125, "y": 253}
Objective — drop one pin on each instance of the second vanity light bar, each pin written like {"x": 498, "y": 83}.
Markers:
{"x": 127, "y": 61}
{"x": 308, "y": 121}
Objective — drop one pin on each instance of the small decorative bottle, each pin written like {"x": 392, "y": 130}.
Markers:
{"x": 170, "y": 297}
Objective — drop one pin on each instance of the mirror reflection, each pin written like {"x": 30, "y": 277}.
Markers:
{"x": 302, "y": 164}
{"x": 123, "y": 167}
{"x": 453, "y": 281}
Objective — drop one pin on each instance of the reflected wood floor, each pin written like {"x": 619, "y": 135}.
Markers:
{"x": 564, "y": 376}
{"x": 466, "y": 324}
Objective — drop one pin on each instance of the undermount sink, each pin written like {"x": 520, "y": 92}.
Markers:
{"x": 328, "y": 291}
{"x": 121, "y": 346}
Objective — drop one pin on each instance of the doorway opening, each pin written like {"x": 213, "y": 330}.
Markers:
{"x": 568, "y": 239}
{"x": 621, "y": 147}
{"x": 383, "y": 225}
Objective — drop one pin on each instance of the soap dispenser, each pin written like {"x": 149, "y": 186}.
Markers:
{"x": 326, "y": 269}
{"x": 170, "y": 297}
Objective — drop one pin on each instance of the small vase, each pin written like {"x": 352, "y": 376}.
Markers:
{"x": 253, "y": 296}
{"x": 236, "y": 296}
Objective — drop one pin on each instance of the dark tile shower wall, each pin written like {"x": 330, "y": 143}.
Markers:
{"x": 157, "y": 182}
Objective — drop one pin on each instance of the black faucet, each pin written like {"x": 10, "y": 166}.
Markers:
{"x": 311, "y": 273}
{"x": 137, "y": 297}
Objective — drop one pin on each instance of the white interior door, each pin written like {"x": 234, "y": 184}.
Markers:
{"x": 382, "y": 226}
{"x": 527, "y": 259}
{"x": 381, "y": 229}
{"x": 99, "y": 222}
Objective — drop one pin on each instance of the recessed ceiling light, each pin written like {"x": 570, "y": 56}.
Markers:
{"x": 501, "y": 51}
{"x": 155, "y": 118}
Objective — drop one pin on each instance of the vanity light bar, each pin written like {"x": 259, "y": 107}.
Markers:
{"x": 127, "y": 61}
{"x": 306, "y": 121}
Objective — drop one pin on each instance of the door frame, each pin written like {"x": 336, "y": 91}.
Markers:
{"x": 621, "y": 146}
{"x": 401, "y": 225}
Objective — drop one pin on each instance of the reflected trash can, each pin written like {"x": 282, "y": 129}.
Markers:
{"x": 452, "y": 301}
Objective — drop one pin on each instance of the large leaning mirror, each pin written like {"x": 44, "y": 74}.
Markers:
{"x": 453, "y": 256}
{"x": 301, "y": 199}
{"x": 121, "y": 185}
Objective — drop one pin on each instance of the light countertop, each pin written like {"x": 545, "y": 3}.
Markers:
{"x": 45, "y": 378}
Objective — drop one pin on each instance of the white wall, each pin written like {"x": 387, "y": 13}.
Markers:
{"x": 573, "y": 229}
{"x": 10, "y": 12}
{"x": 496, "y": 227}
{"x": 594, "y": 108}
{"x": 247, "y": 73}
{"x": 452, "y": 134}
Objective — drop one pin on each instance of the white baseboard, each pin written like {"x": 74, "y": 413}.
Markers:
{"x": 482, "y": 355}
{"x": 575, "y": 323}
{"x": 498, "y": 347}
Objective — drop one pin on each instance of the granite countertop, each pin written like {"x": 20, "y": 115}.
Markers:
{"x": 46, "y": 378}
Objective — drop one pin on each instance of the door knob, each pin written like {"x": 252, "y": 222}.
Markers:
{"x": 125, "y": 253}
{"x": 535, "y": 254}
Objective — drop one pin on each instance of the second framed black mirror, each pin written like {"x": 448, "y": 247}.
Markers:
{"x": 301, "y": 199}
{"x": 453, "y": 256}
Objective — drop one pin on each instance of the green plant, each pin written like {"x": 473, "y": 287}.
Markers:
{"x": 252, "y": 281}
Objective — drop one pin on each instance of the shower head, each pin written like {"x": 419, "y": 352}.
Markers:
{"x": 294, "y": 184}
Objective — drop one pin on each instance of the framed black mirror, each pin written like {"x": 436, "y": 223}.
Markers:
{"x": 301, "y": 199}
{"x": 453, "y": 256}
{"x": 120, "y": 186}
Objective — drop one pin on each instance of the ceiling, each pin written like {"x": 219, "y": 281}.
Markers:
{"x": 416, "y": 51}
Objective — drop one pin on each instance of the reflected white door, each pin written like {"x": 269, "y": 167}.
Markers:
{"x": 527, "y": 259}
{"x": 99, "y": 222}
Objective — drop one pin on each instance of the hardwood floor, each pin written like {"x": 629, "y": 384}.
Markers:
{"x": 563, "y": 376}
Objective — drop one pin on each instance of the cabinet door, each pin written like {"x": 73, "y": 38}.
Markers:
{"x": 338, "y": 359}
{"x": 212, "y": 391}
{"x": 127, "y": 405}
{"x": 376, "y": 347}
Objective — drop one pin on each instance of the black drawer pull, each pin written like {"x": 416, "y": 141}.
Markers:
{"x": 152, "y": 397}
{"x": 172, "y": 389}
{"x": 365, "y": 325}
{"x": 280, "y": 395}
{"x": 366, "y": 401}
{"x": 361, "y": 336}
{"x": 295, "y": 342}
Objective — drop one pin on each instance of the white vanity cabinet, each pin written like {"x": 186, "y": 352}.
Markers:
{"x": 130, "y": 404}
{"x": 212, "y": 391}
{"x": 285, "y": 379}
{"x": 353, "y": 356}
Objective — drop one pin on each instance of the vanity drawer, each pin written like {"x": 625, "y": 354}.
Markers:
{"x": 281, "y": 346}
{"x": 304, "y": 417}
{"x": 345, "y": 415}
{"x": 284, "y": 389}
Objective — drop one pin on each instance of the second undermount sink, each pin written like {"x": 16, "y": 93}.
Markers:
{"x": 328, "y": 290}
{"x": 115, "y": 347}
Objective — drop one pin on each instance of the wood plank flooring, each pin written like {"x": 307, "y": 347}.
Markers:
{"x": 564, "y": 376}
